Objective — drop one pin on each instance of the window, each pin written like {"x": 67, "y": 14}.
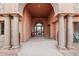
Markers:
{"x": 2, "y": 28}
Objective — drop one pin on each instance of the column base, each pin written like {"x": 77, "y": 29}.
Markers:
{"x": 71, "y": 47}
{"x": 62, "y": 48}
{"x": 6, "y": 47}
{"x": 15, "y": 47}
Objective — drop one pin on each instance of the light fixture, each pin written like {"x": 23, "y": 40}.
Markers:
{"x": 38, "y": 5}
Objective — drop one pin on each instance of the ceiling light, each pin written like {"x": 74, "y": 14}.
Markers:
{"x": 38, "y": 6}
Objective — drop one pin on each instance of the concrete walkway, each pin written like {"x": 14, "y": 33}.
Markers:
{"x": 39, "y": 46}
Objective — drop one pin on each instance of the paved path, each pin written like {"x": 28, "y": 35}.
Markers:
{"x": 39, "y": 47}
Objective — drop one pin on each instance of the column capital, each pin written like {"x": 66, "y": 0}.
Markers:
{"x": 62, "y": 14}
{"x": 71, "y": 15}
{"x": 5, "y": 15}
{"x": 15, "y": 15}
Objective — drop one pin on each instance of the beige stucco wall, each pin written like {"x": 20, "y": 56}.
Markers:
{"x": 8, "y": 8}
{"x": 26, "y": 25}
{"x": 66, "y": 7}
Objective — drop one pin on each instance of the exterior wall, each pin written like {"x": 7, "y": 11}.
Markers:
{"x": 53, "y": 20}
{"x": 8, "y": 8}
{"x": 58, "y": 7}
{"x": 66, "y": 7}
{"x": 26, "y": 25}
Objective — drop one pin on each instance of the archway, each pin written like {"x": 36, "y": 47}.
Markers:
{"x": 38, "y": 30}
{"x": 37, "y": 20}
{"x": 35, "y": 12}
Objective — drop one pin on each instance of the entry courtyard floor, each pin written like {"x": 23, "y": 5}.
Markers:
{"x": 40, "y": 46}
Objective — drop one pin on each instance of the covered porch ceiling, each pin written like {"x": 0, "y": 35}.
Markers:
{"x": 39, "y": 9}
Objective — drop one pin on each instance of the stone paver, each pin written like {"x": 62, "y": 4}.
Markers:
{"x": 8, "y": 52}
{"x": 38, "y": 46}
{"x": 71, "y": 52}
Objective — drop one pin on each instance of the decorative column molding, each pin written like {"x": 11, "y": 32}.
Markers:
{"x": 15, "y": 31}
{"x": 61, "y": 33}
{"x": 70, "y": 31}
{"x": 6, "y": 31}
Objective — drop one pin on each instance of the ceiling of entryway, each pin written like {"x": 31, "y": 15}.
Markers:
{"x": 39, "y": 9}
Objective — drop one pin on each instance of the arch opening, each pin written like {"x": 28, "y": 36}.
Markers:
{"x": 38, "y": 30}
{"x": 33, "y": 14}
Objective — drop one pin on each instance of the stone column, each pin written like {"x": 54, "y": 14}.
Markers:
{"x": 70, "y": 31}
{"x": 6, "y": 31}
{"x": 15, "y": 31}
{"x": 61, "y": 33}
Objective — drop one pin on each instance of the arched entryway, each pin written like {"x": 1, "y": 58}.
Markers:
{"x": 40, "y": 12}
{"x": 38, "y": 29}
{"x": 33, "y": 14}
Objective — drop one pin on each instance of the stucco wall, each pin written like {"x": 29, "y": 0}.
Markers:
{"x": 66, "y": 8}
{"x": 26, "y": 25}
{"x": 53, "y": 27}
{"x": 8, "y": 8}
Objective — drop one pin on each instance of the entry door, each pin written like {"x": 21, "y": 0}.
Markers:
{"x": 38, "y": 29}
